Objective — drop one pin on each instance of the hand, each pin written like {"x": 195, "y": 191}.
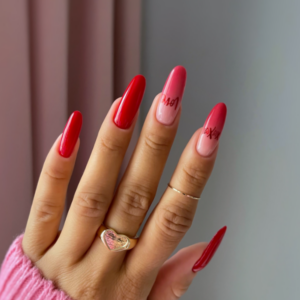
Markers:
{"x": 76, "y": 259}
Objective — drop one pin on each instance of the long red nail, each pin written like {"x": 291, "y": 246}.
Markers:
{"x": 70, "y": 134}
{"x": 210, "y": 250}
{"x": 130, "y": 102}
{"x": 212, "y": 130}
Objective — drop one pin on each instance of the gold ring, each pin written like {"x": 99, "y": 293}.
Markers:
{"x": 115, "y": 242}
{"x": 182, "y": 193}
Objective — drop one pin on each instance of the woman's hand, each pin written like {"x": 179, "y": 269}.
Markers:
{"x": 76, "y": 259}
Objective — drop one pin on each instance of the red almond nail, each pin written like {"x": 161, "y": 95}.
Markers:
{"x": 70, "y": 134}
{"x": 130, "y": 102}
{"x": 210, "y": 250}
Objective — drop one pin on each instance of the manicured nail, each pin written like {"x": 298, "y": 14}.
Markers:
{"x": 171, "y": 96}
{"x": 70, "y": 134}
{"x": 130, "y": 102}
{"x": 212, "y": 130}
{"x": 210, "y": 250}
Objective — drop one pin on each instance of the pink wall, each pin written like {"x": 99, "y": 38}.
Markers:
{"x": 56, "y": 57}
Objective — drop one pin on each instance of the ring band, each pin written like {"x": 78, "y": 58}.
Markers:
{"x": 115, "y": 242}
{"x": 184, "y": 194}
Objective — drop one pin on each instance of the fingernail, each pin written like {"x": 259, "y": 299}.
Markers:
{"x": 70, "y": 134}
{"x": 210, "y": 250}
{"x": 212, "y": 130}
{"x": 171, "y": 96}
{"x": 130, "y": 102}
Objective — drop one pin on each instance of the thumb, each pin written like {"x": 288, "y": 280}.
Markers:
{"x": 178, "y": 272}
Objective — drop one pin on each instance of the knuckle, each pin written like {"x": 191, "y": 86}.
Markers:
{"x": 178, "y": 290}
{"x": 110, "y": 144}
{"x": 91, "y": 205}
{"x": 157, "y": 143}
{"x": 46, "y": 210}
{"x": 195, "y": 176}
{"x": 136, "y": 200}
{"x": 174, "y": 221}
{"x": 56, "y": 173}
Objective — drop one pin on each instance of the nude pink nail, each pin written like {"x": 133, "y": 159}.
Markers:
{"x": 212, "y": 129}
{"x": 171, "y": 96}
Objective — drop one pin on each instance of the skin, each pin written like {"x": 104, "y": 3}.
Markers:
{"x": 76, "y": 259}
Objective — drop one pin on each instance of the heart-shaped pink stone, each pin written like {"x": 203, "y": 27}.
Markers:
{"x": 113, "y": 241}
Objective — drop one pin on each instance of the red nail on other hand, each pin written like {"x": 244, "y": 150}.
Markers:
{"x": 210, "y": 250}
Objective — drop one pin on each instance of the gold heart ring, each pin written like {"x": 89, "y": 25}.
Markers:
{"x": 115, "y": 242}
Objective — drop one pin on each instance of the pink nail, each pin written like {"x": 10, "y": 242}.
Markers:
{"x": 212, "y": 130}
{"x": 171, "y": 96}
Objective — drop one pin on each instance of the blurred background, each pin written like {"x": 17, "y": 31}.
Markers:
{"x": 58, "y": 56}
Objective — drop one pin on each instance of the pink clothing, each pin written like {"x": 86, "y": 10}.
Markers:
{"x": 21, "y": 280}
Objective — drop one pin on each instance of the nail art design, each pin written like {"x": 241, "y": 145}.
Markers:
{"x": 212, "y": 133}
{"x": 212, "y": 130}
{"x": 70, "y": 134}
{"x": 210, "y": 250}
{"x": 171, "y": 96}
{"x": 130, "y": 102}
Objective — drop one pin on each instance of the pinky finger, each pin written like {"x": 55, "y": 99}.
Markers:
{"x": 178, "y": 272}
{"x": 49, "y": 199}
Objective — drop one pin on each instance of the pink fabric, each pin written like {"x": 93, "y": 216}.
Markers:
{"x": 56, "y": 57}
{"x": 21, "y": 280}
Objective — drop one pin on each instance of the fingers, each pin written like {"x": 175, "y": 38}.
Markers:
{"x": 49, "y": 199}
{"x": 139, "y": 184}
{"x": 177, "y": 273}
{"x": 174, "y": 214}
{"x": 96, "y": 187}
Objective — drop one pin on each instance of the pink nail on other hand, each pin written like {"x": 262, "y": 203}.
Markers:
{"x": 171, "y": 96}
{"x": 212, "y": 129}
